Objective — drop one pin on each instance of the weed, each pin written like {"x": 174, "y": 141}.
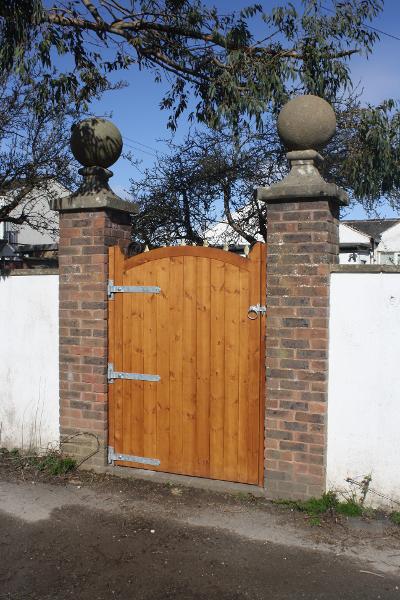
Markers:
{"x": 313, "y": 506}
{"x": 51, "y": 463}
{"x": 395, "y": 517}
{"x": 315, "y": 522}
{"x": 329, "y": 503}
{"x": 350, "y": 508}
{"x": 55, "y": 464}
{"x": 358, "y": 490}
{"x": 242, "y": 496}
{"x": 245, "y": 497}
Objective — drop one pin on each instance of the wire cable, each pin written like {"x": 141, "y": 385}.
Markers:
{"x": 391, "y": 35}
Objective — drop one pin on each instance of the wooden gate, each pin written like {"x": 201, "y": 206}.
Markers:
{"x": 205, "y": 414}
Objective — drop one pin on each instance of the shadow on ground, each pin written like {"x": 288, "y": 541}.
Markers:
{"x": 90, "y": 554}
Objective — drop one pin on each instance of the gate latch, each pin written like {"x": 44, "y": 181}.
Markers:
{"x": 256, "y": 310}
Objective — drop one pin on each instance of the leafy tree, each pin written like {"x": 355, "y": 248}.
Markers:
{"x": 218, "y": 70}
{"x": 364, "y": 156}
{"x": 217, "y": 59}
{"x": 211, "y": 177}
{"x": 211, "y": 174}
{"x": 34, "y": 155}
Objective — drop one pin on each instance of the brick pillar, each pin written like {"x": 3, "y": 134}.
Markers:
{"x": 302, "y": 243}
{"x": 91, "y": 220}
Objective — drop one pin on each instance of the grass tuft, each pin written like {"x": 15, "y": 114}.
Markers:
{"x": 350, "y": 508}
{"x": 313, "y": 506}
{"x": 329, "y": 503}
{"x": 315, "y": 522}
{"x": 395, "y": 517}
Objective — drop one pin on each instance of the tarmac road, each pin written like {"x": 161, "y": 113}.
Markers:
{"x": 52, "y": 547}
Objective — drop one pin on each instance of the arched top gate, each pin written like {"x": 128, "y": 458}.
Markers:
{"x": 186, "y": 361}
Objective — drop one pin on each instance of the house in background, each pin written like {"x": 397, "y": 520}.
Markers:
{"x": 356, "y": 246}
{"x": 34, "y": 244}
{"x": 370, "y": 241}
{"x": 9, "y": 258}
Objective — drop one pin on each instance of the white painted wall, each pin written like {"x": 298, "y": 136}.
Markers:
{"x": 364, "y": 382}
{"x": 29, "y": 396}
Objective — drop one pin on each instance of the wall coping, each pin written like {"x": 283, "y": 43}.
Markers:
{"x": 334, "y": 269}
{"x": 23, "y": 272}
{"x": 365, "y": 269}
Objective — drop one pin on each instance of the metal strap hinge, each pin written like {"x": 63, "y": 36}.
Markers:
{"x": 130, "y": 289}
{"x": 256, "y": 310}
{"x": 112, "y": 456}
{"x": 111, "y": 375}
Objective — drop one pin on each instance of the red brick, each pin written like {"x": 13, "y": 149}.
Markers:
{"x": 302, "y": 240}
{"x": 83, "y": 267}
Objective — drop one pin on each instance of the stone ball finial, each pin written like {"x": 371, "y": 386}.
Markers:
{"x": 306, "y": 123}
{"x": 96, "y": 142}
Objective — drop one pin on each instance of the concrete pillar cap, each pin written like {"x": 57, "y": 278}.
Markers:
{"x": 306, "y": 123}
{"x": 96, "y": 142}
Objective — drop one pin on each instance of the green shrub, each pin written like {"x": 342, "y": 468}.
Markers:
{"x": 395, "y": 517}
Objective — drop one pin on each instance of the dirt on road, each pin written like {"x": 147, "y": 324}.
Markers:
{"x": 96, "y": 538}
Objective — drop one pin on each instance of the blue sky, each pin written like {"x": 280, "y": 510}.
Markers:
{"x": 135, "y": 109}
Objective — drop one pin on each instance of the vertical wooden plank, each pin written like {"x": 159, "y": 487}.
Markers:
{"x": 254, "y": 363}
{"x": 163, "y": 365}
{"x": 189, "y": 366}
{"x": 118, "y": 361}
{"x": 126, "y": 367}
{"x": 232, "y": 298}
{"x": 203, "y": 367}
{"x": 135, "y": 277}
{"x": 244, "y": 423}
{"x": 262, "y": 374}
{"x": 111, "y": 351}
{"x": 175, "y": 362}
{"x": 150, "y": 364}
{"x": 217, "y": 354}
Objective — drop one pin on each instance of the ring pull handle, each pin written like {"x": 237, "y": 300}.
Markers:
{"x": 255, "y": 310}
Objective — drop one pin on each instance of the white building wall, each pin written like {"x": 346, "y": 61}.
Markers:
{"x": 364, "y": 382}
{"x": 29, "y": 395}
{"x": 388, "y": 250}
{"x": 390, "y": 239}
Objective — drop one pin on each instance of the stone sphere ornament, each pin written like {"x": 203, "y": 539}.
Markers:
{"x": 96, "y": 142}
{"x": 306, "y": 123}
